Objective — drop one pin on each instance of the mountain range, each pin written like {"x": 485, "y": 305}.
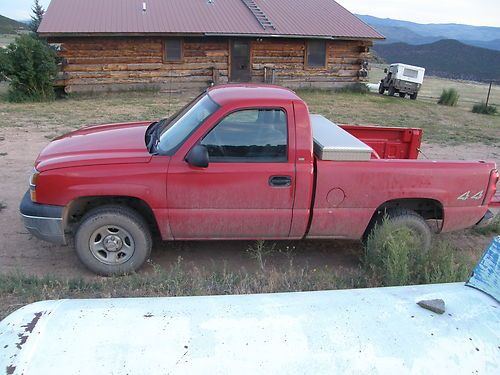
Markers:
{"x": 415, "y": 33}
{"x": 9, "y": 26}
{"x": 446, "y": 58}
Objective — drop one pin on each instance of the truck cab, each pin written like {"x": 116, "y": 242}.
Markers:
{"x": 402, "y": 79}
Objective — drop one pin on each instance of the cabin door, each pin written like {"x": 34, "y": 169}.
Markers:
{"x": 240, "y": 61}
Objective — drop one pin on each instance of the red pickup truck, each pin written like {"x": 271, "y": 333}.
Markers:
{"x": 241, "y": 162}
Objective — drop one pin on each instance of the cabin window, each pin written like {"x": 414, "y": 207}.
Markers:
{"x": 173, "y": 50}
{"x": 249, "y": 136}
{"x": 316, "y": 54}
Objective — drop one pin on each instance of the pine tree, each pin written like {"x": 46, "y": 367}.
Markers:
{"x": 37, "y": 16}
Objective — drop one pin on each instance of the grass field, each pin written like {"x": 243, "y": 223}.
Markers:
{"x": 470, "y": 92}
{"x": 441, "y": 124}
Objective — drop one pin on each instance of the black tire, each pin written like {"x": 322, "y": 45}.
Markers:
{"x": 392, "y": 91}
{"x": 381, "y": 88}
{"x": 402, "y": 95}
{"x": 409, "y": 219}
{"x": 413, "y": 96}
{"x": 123, "y": 235}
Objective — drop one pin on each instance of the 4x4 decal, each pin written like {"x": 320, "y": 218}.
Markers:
{"x": 467, "y": 195}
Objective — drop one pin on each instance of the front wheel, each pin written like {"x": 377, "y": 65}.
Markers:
{"x": 381, "y": 88}
{"x": 392, "y": 91}
{"x": 113, "y": 240}
{"x": 413, "y": 96}
{"x": 402, "y": 95}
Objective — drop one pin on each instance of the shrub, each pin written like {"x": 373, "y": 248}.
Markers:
{"x": 29, "y": 67}
{"x": 449, "y": 97}
{"x": 392, "y": 257}
{"x": 484, "y": 109}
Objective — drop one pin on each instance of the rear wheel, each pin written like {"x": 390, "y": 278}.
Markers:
{"x": 413, "y": 96}
{"x": 408, "y": 219}
{"x": 113, "y": 240}
{"x": 402, "y": 95}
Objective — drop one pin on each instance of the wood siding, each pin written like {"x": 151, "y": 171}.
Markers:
{"x": 120, "y": 63}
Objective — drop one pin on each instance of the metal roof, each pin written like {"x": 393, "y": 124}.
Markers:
{"x": 290, "y": 18}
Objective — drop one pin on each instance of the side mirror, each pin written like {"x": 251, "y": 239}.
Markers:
{"x": 198, "y": 157}
{"x": 385, "y": 70}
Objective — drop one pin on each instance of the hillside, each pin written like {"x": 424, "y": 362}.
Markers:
{"x": 415, "y": 33}
{"x": 8, "y": 26}
{"x": 446, "y": 58}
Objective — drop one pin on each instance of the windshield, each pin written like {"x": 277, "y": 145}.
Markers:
{"x": 185, "y": 123}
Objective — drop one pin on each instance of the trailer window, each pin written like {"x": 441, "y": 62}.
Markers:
{"x": 253, "y": 135}
{"x": 316, "y": 53}
{"x": 410, "y": 73}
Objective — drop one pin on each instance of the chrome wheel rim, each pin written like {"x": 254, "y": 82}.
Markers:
{"x": 112, "y": 245}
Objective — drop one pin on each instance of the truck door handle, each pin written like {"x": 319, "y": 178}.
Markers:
{"x": 280, "y": 181}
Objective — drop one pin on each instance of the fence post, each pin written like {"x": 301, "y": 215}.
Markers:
{"x": 488, "y": 98}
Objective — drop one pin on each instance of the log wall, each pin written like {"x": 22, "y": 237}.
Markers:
{"x": 121, "y": 63}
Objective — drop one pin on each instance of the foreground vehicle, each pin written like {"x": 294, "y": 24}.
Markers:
{"x": 363, "y": 331}
{"x": 239, "y": 162}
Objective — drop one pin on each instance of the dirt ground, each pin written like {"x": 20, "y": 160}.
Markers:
{"x": 19, "y": 251}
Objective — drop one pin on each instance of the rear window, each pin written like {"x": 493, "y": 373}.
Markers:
{"x": 410, "y": 73}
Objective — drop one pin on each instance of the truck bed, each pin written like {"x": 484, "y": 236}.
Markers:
{"x": 389, "y": 143}
{"x": 354, "y": 143}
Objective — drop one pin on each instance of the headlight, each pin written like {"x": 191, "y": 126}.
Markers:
{"x": 33, "y": 180}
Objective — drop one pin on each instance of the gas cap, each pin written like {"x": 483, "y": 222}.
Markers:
{"x": 335, "y": 197}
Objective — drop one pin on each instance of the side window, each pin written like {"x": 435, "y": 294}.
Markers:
{"x": 173, "y": 50}
{"x": 316, "y": 53}
{"x": 252, "y": 135}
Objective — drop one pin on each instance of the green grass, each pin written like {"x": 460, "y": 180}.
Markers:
{"x": 393, "y": 257}
{"x": 449, "y": 97}
{"x": 484, "y": 109}
{"x": 179, "y": 280}
{"x": 491, "y": 230}
{"x": 393, "y": 263}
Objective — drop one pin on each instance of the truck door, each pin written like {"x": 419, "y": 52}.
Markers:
{"x": 247, "y": 190}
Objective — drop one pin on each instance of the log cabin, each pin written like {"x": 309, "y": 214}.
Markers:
{"x": 179, "y": 45}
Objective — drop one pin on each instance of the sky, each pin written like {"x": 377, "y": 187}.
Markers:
{"x": 477, "y": 12}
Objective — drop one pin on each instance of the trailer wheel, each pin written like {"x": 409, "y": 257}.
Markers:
{"x": 402, "y": 95}
{"x": 113, "y": 240}
{"x": 403, "y": 218}
{"x": 381, "y": 88}
{"x": 392, "y": 91}
{"x": 413, "y": 96}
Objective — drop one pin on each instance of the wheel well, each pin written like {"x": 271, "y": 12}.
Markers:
{"x": 429, "y": 209}
{"x": 80, "y": 206}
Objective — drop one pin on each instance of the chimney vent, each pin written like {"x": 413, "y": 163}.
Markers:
{"x": 144, "y": 7}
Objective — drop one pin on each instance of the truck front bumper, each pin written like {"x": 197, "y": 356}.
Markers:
{"x": 488, "y": 218}
{"x": 42, "y": 220}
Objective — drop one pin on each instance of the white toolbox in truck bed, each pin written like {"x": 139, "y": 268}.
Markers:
{"x": 331, "y": 142}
